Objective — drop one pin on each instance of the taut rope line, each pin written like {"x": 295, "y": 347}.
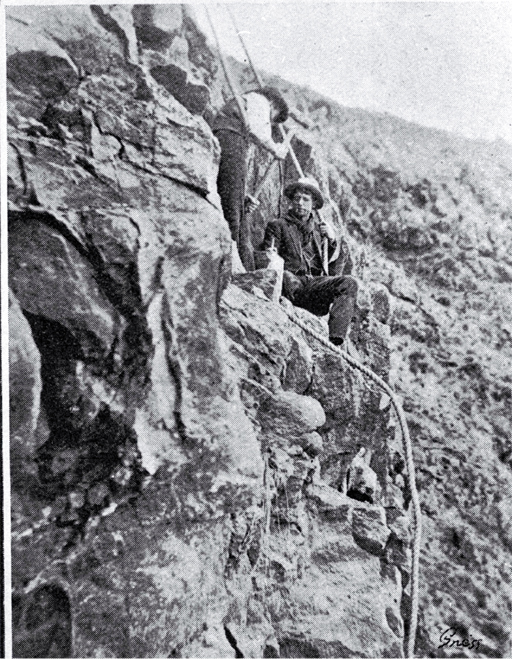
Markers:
{"x": 354, "y": 364}
{"x": 407, "y": 447}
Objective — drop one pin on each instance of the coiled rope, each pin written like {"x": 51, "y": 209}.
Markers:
{"x": 407, "y": 447}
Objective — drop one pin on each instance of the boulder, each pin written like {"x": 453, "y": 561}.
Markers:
{"x": 291, "y": 414}
{"x": 370, "y": 530}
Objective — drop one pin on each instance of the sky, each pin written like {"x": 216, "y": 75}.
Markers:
{"x": 441, "y": 64}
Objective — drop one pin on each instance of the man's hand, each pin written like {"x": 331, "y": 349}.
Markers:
{"x": 250, "y": 204}
{"x": 326, "y": 231}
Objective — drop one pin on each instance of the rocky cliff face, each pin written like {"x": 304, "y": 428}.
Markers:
{"x": 179, "y": 447}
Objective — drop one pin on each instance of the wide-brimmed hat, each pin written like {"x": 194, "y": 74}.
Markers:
{"x": 308, "y": 184}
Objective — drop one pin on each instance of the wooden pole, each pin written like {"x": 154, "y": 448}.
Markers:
{"x": 267, "y": 171}
{"x": 325, "y": 244}
{"x": 225, "y": 68}
{"x": 242, "y": 41}
{"x": 325, "y": 255}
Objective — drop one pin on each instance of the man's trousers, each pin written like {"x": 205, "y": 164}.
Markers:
{"x": 231, "y": 188}
{"x": 335, "y": 296}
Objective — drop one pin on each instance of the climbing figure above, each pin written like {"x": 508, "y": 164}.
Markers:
{"x": 241, "y": 119}
{"x": 298, "y": 238}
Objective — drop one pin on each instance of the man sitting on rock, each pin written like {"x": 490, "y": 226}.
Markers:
{"x": 298, "y": 240}
{"x": 262, "y": 109}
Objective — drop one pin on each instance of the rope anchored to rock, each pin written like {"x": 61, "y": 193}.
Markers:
{"x": 407, "y": 447}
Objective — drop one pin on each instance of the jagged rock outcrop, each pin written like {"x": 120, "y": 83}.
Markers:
{"x": 179, "y": 447}
{"x": 318, "y": 539}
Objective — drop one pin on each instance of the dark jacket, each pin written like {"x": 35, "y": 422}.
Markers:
{"x": 228, "y": 118}
{"x": 301, "y": 247}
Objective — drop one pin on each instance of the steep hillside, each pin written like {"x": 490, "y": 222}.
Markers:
{"x": 434, "y": 213}
{"x": 179, "y": 447}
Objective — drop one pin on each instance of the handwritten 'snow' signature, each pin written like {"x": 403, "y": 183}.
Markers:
{"x": 449, "y": 639}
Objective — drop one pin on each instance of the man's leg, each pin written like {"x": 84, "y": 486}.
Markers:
{"x": 231, "y": 189}
{"x": 319, "y": 293}
{"x": 293, "y": 286}
{"x": 342, "y": 310}
{"x": 245, "y": 247}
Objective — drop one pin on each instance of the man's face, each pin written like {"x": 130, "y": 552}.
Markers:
{"x": 302, "y": 204}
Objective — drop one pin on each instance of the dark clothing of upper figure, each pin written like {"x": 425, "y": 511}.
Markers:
{"x": 228, "y": 118}
{"x": 304, "y": 283}
{"x": 231, "y": 188}
{"x": 234, "y": 133}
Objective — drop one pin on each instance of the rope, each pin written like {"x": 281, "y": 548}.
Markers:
{"x": 407, "y": 447}
{"x": 353, "y": 363}
{"x": 225, "y": 68}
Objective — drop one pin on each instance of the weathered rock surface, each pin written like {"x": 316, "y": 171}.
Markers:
{"x": 118, "y": 261}
{"x": 179, "y": 447}
{"x": 25, "y": 386}
{"x": 165, "y": 428}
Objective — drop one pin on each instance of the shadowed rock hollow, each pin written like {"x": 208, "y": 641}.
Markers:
{"x": 179, "y": 447}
